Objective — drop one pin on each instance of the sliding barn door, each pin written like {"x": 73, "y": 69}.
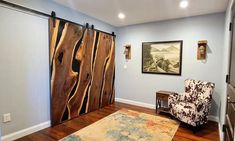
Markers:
{"x": 82, "y": 70}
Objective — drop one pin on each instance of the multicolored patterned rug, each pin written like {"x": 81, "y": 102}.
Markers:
{"x": 127, "y": 125}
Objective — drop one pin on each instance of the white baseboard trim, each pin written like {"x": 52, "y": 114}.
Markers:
{"x": 220, "y": 132}
{"x": 27, "y": 131}
{"x": 152, "y": 106}
{"x": 136, "y": 103}
{"x": 213, "y": 118}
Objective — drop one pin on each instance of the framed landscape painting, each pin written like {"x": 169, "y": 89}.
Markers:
{"x": 162, "y": 57}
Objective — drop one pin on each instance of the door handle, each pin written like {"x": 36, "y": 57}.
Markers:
{"x": 229, "y": 101}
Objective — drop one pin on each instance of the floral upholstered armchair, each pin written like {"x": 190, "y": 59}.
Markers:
{"x": 192, "y": 106}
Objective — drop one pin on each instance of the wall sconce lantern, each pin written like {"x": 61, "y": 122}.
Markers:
{"x": 127, "y": 52}
{"x": 201, "y": 50}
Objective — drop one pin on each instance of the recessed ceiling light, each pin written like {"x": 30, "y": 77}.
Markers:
{"x": 184, "y": 4}
{"x": 121, "y": 16}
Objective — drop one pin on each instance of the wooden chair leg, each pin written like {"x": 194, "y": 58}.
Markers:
{"x": 195, "y": 129}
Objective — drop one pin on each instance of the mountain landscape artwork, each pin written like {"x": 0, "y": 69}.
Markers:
{"x": 162, "y": 57}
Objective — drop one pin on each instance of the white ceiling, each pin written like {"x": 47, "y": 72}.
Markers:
{"x": 142, "y": 11}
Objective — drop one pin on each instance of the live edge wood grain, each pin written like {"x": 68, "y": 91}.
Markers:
{"x": 107, "y": 90}
{"x": 53, "y": 36}
{"x": 82, "y": 70}
{"x": 84, "y": 54}
{"x": 100, "y": 60}
{"x": 63, "y": 77}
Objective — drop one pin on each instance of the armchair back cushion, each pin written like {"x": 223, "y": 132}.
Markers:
{"x": 198, "y": 91}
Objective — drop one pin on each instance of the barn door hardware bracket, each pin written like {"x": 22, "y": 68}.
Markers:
{"x": 53, "y": 15}
{"x": 230, "y": 26}
{"x": 87, "y": 25}
{"x": 224, "y": 128}
{"x": 227, "y": 78}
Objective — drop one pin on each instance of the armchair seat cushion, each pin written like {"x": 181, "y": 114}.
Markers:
{"x": 186, "y": 112}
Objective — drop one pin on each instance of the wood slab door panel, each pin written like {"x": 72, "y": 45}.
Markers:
{"x": 230, "y": 113}
{"x": 82, "y": 70}
{"x": 232, "y": 59}
{"x": 230, "y": 109}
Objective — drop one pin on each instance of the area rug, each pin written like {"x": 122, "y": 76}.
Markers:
{"x": 127, "y": 125}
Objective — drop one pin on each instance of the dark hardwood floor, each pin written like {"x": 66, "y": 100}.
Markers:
{"x": 208, "y": 133}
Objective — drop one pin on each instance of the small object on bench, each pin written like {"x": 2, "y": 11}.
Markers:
{"x": 162, "y": 101}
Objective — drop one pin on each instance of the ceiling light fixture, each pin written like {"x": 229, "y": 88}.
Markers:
{"x": 121, "y": 16}
{"x": 184, "y": 4}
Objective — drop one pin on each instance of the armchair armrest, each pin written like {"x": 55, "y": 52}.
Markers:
{"x": 203, "y": 106}
{"x": 179, "y": 97}
{"x": 202, "y": 110}
{"x": 173, "y": 98}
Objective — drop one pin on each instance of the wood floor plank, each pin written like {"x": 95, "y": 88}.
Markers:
{"x": 184, "y": 133}
{"x": 58, "y": 132}
{"x": 37, "y": 137}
